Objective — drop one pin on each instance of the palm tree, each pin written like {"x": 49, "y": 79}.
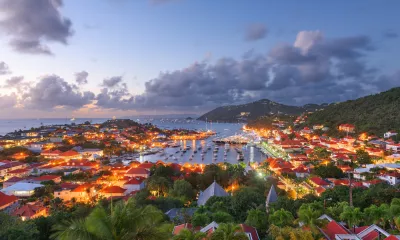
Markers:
{"x": 126, "y": 221}
{"x": 158, "y": 184}
{"x": 281, "y": 218}
{"x": 187, "y": 234}
{"x": 352, "y": 215}
{"x": 309, "y": 214}
{"x": 229, "y": 231}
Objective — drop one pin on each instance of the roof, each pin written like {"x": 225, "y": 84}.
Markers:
{"x": 180, "y": 212}
{"x": 113, "y": 189}
{"x": 19, "y": 186}
{"x": 14, "y": 179}
{"x": 135, "y": 181}
{"x": 251, "y": 230}
{"x": 272, "y": 196}
{"x": 46, "y": 178}
{"x": 69, "y": 153}
{"x": 333, "y": 228}
{"x": 137, "y": 171}
{"x": 319, "y": 181}
{"x": 213, "y": 190}
{"x": 179, "y": 228}
{"x": 28, "y": 210}
{"x": 6, "y": 199}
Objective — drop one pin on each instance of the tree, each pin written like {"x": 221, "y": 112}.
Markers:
{"x": 126, "y": 221}
{"x": 377, "y": 215}
{"x": 337, "y": 209}
{"x": 245, "y": 199}
{"x": 281, "y": 218}
{"x": 320, "y": 153}
{"x": 258, "y": 219}
{"x": 189, "y": 234}
{"x": 182, "y": 190}
{"x": 309, "y": 214}
{"x": 363, "y": 157}
{"x": 159, "y": 185}
{"x": 229, "y": 231}
{"x": 222, "y": 217}
{"x": 328, "y": 171}
{"x": 352, "y": 216}
{"x": 14, "y": 228}
{"x": 200, "y": 220}
{"x": 279, "y": 233}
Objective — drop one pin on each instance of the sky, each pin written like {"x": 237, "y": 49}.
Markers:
{"x": 104, "y": 58}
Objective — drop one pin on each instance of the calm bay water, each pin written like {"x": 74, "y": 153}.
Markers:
{"x": 169, "y": 154}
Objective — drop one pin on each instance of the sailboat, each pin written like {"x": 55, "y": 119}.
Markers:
{"x": 72, "y": 119}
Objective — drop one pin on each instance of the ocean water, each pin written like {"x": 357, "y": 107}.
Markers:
{"x": 251, "y": 154}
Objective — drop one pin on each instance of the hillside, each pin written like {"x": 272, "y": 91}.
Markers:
{"x": 375, "y": 114}
{"x": 254, "y": 110}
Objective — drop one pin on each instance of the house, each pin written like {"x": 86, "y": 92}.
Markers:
{"x": 12, "y": 181}
{"x": 389, "y": 134}
{"x": 21, "y": 173}
{"x": 45, "y": 178}
{"x": 137, "y": 172}
{"x": 71, "y": 154}
{"x": 392, "y": 178}
{"x": 395, "y": 148}
{"x": 336, "y": 231}
{"x": 48, "y": 154}
{"x": 7, "y": 166}
{"x": 319, "y": 182}
{"x": 78, "y": 193}
{"x": 7, "y": 202}
{"x": 21, "y": 189}
{"x": 250, "y": 231}
{"x": 113, "y": 191}
{"x": 213, "y": 190}
{"x": 30, "y": 211}
{"x": 180, "y": 213}
{"x": 347, "y": 127}
{"x": 301, "y": 171}
{"x": 134, "y": 184}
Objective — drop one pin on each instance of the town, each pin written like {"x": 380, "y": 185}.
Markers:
{"x": 310, "y": 185}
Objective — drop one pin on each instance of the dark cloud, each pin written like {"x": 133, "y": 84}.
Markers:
{"x": 256, "y": 32}
{"x": 313, "y": 69}
{"x": 81, "y": 77}
{"x": 4, "y": 69}
{"x": 52, "y": 92}
{"x": 33, "y": 24}
{"x": 390, "y": 34}
{"x": 112, "y": 82}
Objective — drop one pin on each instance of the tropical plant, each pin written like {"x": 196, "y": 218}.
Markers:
{"x": 352, "y": 216}
{"x": 309, "y": 213}
{"x": 126, "y": 221}
{"x": 279, "y": 233}
{"x": 159, "y": 185}
{"x": 258, "y": 219}
{"x": 189, "y": 234}
{"x": 281, "y": 218}
{"x": 229, "y": 231}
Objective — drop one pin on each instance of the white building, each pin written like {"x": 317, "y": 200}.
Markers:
{"x": 21, "y": 189}
{"x": 389, "y": 134}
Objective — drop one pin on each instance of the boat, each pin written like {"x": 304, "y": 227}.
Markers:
{"x": 72, "y": 119}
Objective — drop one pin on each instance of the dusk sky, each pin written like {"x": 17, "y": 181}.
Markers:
{"x": 100, "y": 58}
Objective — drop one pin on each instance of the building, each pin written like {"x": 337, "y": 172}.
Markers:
{"x": 7, "y": 202}
{"x": 7, "y": 166}
{"x": 137, "y": 172}
{"x": 389, "y": 134}
{"x": 350, "y": 128}
{"x": 21, "y": 189}
{"x": 45, "y": 178}
{"x": 134, "y": 184}
{"x": 392, "y": 178}
{"x": 113, "y": 191}
{"x": 71, "y": 154}
{"x": 48, "y": 154}
{"x": 30, "y": 211}
{"x": 12, "y": 181}
{"x": 213, "y": 190}
{"x": 78, "y": 193}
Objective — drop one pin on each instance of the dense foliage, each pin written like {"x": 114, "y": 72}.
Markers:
{"x": 375, "y": 114}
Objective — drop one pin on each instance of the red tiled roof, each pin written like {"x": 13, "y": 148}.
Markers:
{"x": 391, "y": 237}
{"x": 137, "y": 171}
{"x": 146, "y": 165}
{"x": 6, "y": 199}
{"x": 69, "y": 153}
{"x": 251, "y": 230}
{"x": 46, "y": 178}
{"x": 16, "y": 171}
{"x": 333, "y": 228}
{"x": 14, "y": 179}
{"x": 113, "y": 189}
{"x": 319, "y": 181}
{"x": 28, "y": 210}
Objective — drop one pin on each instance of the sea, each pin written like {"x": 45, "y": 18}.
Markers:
{"x": 201, "y": 151}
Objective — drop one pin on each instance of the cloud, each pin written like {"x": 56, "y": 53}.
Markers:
{"x": 390, "y": 34}
{"x": 81, "y": 77}
{"x": 8, "y": 101}
{"x": 4, "y": 69}
{"x": 31, "y": 25}
{"x": 255, "y": 32}
{"x": 112, "y": 82}
{"x": 52, "y": 92}
{"x": 14, "y": 82}
{"x": 313, "y": 69}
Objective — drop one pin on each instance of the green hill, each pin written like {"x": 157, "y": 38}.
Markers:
{"x": 375, "y": 114}
{"x": 254, "y": 110}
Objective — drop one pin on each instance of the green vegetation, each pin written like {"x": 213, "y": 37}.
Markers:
{"x": 375, "y": 114}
